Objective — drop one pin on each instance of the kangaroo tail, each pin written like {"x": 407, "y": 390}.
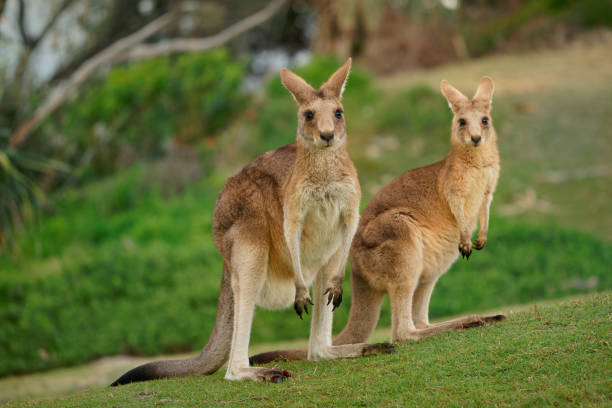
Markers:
{"x": 209, "y": 360}
{"x": 365, "y": 310}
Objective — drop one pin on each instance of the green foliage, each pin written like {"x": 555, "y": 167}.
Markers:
{"x": 20, "y": 195}
{"x": 583, "y": 14}
{"x": 118, "y": 269}
{"x": 116, "y": 255}
{"x": 131, "y": 114}
{"x": 138, "y": 108}
{"x": 550, "y": 355}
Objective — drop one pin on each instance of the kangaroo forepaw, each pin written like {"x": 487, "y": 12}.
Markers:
{"x": 301, "y": 304}
{"x": 378, "y": 348}
{"x": 465, "y": 248}
{"x": 480, "y": 243}
{"x": 273, "y": 376}
{"x": 334, "y": 295}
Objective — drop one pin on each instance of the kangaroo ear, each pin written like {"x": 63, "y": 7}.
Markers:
{"x": 334, "y": 87}
{"x": 301, "y": 91}
{"x": 485, "y": 90}
{"x": 452, "y": 95}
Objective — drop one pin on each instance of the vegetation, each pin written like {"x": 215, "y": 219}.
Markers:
{"x": 136, "y": 113}
{"x": 20, "y": 195}
{"x": 116, "y": 263}
{"x": 88, "y": 294}
{"x": 533, "y": 24}
{"x": 137, "y": 110}
{"x": 548, "y": 355}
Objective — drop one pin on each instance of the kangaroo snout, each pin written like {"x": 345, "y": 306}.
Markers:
{"x": 327, "y": 136}
{"x": 476, "y": 140}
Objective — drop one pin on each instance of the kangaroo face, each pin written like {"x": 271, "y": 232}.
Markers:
{"x": 472, "y": 124}
{"x": 321, "y": 121}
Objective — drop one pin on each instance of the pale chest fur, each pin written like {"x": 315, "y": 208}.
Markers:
{"x": 471, "y": 186}
{"x": 322, "y": 209}
{"x": 479, "y": 182}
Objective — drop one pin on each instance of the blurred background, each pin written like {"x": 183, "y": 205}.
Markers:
{"x": 121, "y": 120}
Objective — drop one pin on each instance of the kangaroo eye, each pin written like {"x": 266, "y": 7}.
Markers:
{"x": 339, "y": 114}
{"x": 462, "y": 122}
{"x": 485, "y": 121}
{"x": 309, "y": 115}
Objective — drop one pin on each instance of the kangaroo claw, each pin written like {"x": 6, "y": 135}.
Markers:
{"x": 465, "y": 248}
{"x": 301, "y": 304}
{"x": 334, "y": 296}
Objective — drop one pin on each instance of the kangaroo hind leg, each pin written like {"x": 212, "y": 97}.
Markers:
{"x": 248, "y": 268}
{"x": 320, "y": 343}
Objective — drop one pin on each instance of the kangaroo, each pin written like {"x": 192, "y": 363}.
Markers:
{"x": 414, "y": 228}
{"x": 282, "y": 224}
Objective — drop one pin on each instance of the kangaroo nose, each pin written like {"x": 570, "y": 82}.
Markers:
{"x": 476, "y": 139}
{"x": 327, "y": 137}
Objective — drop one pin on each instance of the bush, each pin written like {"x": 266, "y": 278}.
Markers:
{"x": 121, "y": 272}
{"x": 137, "y": 109}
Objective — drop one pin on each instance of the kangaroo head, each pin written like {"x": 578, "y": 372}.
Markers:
{"x": 320, "y": 114}
{"x": 472, "y": 124}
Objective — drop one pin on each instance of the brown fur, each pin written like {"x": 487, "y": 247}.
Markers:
{"x": 413, "y": 229}
{"x": 281, "y": 224}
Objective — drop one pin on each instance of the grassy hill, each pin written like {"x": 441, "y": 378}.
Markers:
{"x": 554, "y": 355}
{"x": 119, "y": 267}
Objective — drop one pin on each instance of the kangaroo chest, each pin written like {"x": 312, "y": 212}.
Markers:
{"x": 322, "y": 229}
{"x": 471, "y": 187}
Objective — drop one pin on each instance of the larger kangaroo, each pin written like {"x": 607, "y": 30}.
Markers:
{"x": 282, "y": 223}
{"x": 414, "y": 228}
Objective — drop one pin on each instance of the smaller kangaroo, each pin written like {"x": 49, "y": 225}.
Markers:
{"x": 413, "y": 229}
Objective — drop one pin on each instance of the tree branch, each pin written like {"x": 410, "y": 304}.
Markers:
{"x": 21, "y": 16}
{"x": 126, "y": 48}
{"x": 61, "y": 92}
{"x": 65, "y": 4}
{"x": 2, "y": 6}
{"x": 178, "y": 45}
{"x": 123, "y": 19}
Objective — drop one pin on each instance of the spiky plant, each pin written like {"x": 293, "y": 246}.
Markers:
{"x": 20, "y": 194}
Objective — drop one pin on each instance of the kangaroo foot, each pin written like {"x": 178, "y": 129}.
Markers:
{"x": 258, "y": 374}
{"x": 493, "y": 319}
{"x": 476, "y": 322}
{"x": 273, "y": 376}
{"x": 377, "y": 348}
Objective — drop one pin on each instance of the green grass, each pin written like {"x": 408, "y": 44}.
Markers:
{"x": 553, "y": 355}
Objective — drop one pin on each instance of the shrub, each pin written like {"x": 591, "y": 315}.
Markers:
{"x": 136, "y": 110}
{"x": 143, "y": 278}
